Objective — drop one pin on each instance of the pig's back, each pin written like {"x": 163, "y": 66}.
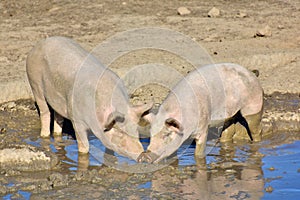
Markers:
{"x": 224, "y": 88}
{"x": 53, "y": 65}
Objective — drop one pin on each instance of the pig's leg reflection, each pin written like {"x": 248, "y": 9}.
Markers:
{"x": 83, "y": 162}
{"x": 237, "y": 173}
{"x": 188, "y": 183}
{"x": 226, "y": 178}
{"x": 200, "y": 162}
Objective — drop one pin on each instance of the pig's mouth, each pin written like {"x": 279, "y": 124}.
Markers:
{"x": 148, "y": 157}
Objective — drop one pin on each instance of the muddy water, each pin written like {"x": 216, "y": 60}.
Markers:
{"x": 232, "y": 170}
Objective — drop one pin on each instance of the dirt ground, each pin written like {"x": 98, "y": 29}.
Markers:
{"x": 229, "y": 37}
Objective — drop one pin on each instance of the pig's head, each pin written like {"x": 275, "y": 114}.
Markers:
{"x": 121, "y": 131}
{"x": 166, "y": 137}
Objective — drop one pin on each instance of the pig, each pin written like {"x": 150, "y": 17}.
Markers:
{"x": 78, "y": 87}
{"x": 209, "y": 95}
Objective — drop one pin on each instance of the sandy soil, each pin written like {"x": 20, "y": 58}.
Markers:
{"x": 227, "y": 38}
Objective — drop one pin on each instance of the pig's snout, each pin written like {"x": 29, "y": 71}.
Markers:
{"x": 147, "y": 157}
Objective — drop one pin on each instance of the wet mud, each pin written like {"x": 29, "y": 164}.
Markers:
{"x": 50, "y": 168}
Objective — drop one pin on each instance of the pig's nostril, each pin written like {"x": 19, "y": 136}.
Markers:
{"x": 140, "y": 158}
{"x": 145, "y": 157}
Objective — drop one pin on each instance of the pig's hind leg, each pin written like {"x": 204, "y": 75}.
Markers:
{"x": 236, "y": 128}
{"x": 254, "y": 124}
{"x": 58, "y": 123}
{"x": 252, "y": 113}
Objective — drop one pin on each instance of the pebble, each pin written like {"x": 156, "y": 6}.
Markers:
{"x": 183, "y": 11}
{"x": 241, "y": 15}
{"x": 3, "y": 130}
{"x": 280, "y": 27}
{"x": 8, "y": 105}
{"x": 269, "y": 189}
{"x": 264, "y": 32}
{"x": 54, "y": 9}
{"x": 214, "y": 12}
{"x": 271, "y": 168}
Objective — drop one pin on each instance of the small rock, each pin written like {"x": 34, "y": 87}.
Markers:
{"x": 183, "y": 11}
{"x": 271, "y": 168}
{"x": 214, "y": 12}
{"x": 256, "y": 72}
{"x": 2, "y": 130}
{"x": 10, "y": 105}
{"x": 280, "y": 27}
{"x": 269, "y": 189}
{"x": 54, "y": 9}
{"x": 264, "y": 32}
{"x": 241, "y": 15}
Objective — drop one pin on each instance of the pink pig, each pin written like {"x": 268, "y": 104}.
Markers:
{"x": 207, "y": 96}
{"x": 78, "y": 87}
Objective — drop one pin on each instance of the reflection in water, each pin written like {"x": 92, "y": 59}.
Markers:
{"x": 230, "y": 171}
{"x": 222, "y": 176}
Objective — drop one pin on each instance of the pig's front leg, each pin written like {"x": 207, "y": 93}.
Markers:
{"x": 201, "y": 143}
{"x": 81, "y": 137}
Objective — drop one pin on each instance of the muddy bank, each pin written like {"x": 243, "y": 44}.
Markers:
{"x": 44, "y": 168}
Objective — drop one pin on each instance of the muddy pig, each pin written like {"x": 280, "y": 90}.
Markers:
{"x": 78, "y": 87}
{"x": 207, "y": 96}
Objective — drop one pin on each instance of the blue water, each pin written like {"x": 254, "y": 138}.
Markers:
{"x": 23, "y": 195}
{"x": 285, "y": 159}
{"x": 279, "y": 168}
{"x": 284, "y": 176}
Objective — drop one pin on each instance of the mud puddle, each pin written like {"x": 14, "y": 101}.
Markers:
{"x": 239, "y": 170}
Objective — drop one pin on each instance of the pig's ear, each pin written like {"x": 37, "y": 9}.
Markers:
{"x": 143, "y": 109}
{"x": 112, "y": 119}
{"x": 174, "y": 125}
